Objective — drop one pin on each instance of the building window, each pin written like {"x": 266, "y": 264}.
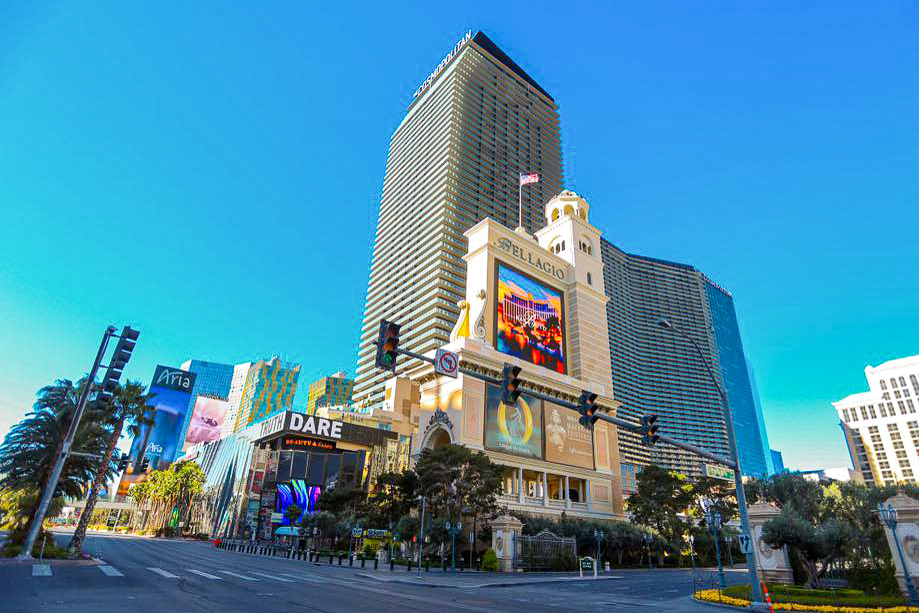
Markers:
{"x": 902, "y": 408}
{"x": 864, "y": 413}
{"x": 589, "y": 280}
{"x": 845, "y": 415}
{"x": 912, "y": 408}
{"x": 902, "y": 382}
{"x": 871, "y": 410}
{"x": 893, "y": 382}
{"x": 883, "y": 385}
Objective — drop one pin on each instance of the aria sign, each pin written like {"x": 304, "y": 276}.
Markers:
{"x": 533, "y": 259}
{"x": 456, "y": 49}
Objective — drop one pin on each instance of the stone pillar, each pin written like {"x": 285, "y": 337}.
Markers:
{"x": 907, "y": 534}
{"x": 520, "y": 485}
{"x": 503, "y": 531}
{"x": 774, "y": 565}
{"x": 567, "y": 496}
{"x": 545, "y": 489}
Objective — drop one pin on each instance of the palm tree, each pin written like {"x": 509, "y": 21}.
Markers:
{"x": 128, "y": 406}
{"x": 32, "y": 446}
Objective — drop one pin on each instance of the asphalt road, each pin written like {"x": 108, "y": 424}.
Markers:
{"x": 146, "y": 575}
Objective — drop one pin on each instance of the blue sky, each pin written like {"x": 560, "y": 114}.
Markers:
{"x": 211, "y": 174}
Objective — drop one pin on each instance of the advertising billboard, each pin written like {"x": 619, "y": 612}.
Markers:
{"x": 172, "y": 390}
{"x": 206, "y": 421}
{"x": 529, "y": 319}
{"x": 299, "y": 493}
{"x": 567, "y": 441}
{"x": 516, "y": 430}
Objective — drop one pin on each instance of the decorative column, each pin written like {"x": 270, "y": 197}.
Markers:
{"x": 545, "y": 489}
{"x": 504, "y": 531}
{"x": 773, "y": 563}
{"x": 587, "y": 497}
{"x": 907, "y": 535}
{"x": 567, "y": 497}
{"x": 520, "y": 485}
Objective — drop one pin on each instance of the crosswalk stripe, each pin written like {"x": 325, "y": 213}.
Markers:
{"x": 41, "y": 570}
{"x": 203, "y": 574}
{"x": 111, "y": 571}
{"x": 229, "y": 572}
{"x": 162, "y": 573}
{"x": 275, "y": 577}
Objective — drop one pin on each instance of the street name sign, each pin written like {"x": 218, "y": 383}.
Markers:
{"x": 719, "y": 472}
{"x": 446, "y": 363}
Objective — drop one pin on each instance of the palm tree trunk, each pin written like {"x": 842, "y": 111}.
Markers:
{"x": 76, "y": 543}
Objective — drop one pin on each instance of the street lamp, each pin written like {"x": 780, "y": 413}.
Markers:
{"x": 424, "y": 502}
{"x": 692, "y": 551}
{"x": 453, "y": 530}
{"x": 599, "y": 536}
{"x": 888, "y": 515}
{"x": 647, "y": 536}
{"x": 756, "y": 587}
{"x": 713, "y": 519}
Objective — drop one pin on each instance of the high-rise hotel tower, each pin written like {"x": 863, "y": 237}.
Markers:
{"x": 474, "y": 125}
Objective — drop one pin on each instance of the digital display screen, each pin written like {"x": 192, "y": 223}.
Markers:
{"x": 513, "y": 429}
{"x": 529, "y": 320}
{"x": 297, "y": 492}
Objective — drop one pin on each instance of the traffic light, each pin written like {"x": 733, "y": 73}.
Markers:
{"x": 123, "y": 350}
{"x": 649, "y": 429}
{"x": 387, "y": 345}
{"x": 510, "y": 390}
{"x": 587, "y": 407}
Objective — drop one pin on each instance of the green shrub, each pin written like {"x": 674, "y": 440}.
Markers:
{"x": 490, "y": 561}
{"x": 370, "y": 551}
{"x": 798, "y": 595}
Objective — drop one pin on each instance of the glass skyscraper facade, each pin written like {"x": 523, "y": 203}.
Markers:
{"x": 736, "y": 377}
{"x": 657, "y": 371}
{"x": 474, "y": 126}
{"x": 270, "y": 387}
{"x": 334, "y": 390}
{"x": 211, "y": 379}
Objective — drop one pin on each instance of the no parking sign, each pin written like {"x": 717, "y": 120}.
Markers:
{"x": 446, "y": 363}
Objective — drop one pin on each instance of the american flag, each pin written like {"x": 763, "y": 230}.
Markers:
{"x": 530, "y": 178}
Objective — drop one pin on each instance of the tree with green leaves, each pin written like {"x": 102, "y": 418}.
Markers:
{"x": 129, "y": 407}
{"x": 816, "y": 547}
{"x": 31, "y": 448}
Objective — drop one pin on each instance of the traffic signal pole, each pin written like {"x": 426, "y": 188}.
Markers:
{"x": 621, "y": 423}
{"x": 47, "y": 495}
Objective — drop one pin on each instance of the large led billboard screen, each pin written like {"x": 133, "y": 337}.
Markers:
{"x": 567, "y": 441}
{"x": 171, "y": 389}
{"x": 206, "y": 421}
{"x": 517, "y": 429}
{"x": 529, "y": 320}
{"x": 299, "y": 493}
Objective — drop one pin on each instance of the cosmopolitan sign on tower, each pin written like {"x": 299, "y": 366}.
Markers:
{"x": 456, "y": 49}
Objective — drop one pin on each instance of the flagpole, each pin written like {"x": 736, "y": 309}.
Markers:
{"x": 520, "y": 200}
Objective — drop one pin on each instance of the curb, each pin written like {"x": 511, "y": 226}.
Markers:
{"x": 486, "y": 585}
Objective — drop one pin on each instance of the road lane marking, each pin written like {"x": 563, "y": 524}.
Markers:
{"x": 203, "y": 574}
{"x": 41, "y": 570}
{"x": 229, "y": 572}
{"x": 276, "y": 578}
{"x": 162, "y": 573}
{"x": 303, "y": 578}
{"x": 111, "y": 571}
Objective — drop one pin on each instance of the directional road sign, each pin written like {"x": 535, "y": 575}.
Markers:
{"x": 446, "y": 363}
{"x": 745, "y": 542}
